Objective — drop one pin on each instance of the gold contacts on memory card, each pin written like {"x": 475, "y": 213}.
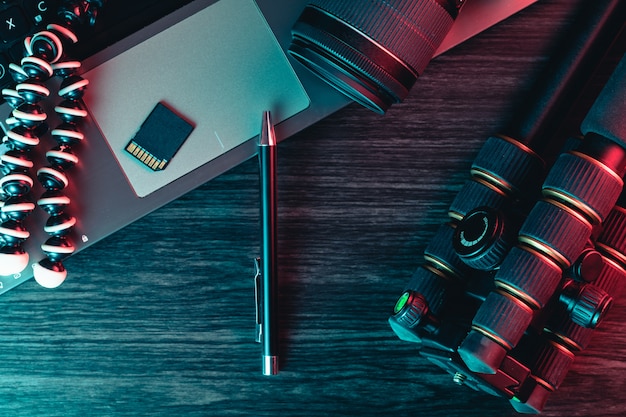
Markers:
{"x": 159, "y": 138}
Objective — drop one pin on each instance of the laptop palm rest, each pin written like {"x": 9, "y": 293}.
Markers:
{"x": 219, "y": 69}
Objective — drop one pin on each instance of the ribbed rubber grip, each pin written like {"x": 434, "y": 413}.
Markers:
{"x": 497, "y": 327}
{"x": 612, "y": 277}
{"x": 504, "y": 317}
{"x": 613, "y": 237}
{"x": 530, "y": 276}
{"x": 510, "y": 165}
{"x": 441, "y": 254}
{"x": 555, "y": 231}
{"x": 552, "y": 363}
{"x": 476, "y": 193}
{"x": 574, "y": 336}
{"x": 431, "y": 286}
{"x": 588, "y": 185}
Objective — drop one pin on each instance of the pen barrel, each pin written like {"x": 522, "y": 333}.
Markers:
{"x": 269, "y": 250}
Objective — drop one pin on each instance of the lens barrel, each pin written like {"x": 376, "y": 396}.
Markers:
{"x": 372, "y": 51}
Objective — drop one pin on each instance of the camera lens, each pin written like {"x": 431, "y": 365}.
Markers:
{"x": 374, "y": 50}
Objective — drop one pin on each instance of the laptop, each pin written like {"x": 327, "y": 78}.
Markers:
{"x": 211, "y": 65}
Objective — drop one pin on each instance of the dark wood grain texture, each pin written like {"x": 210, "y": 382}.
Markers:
{"x": 158, "y": 319}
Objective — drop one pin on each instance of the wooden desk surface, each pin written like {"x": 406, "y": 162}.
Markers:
{"x": 158, "y": 319}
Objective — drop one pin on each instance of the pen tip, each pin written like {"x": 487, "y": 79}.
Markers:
{"x": 268, "y": 137}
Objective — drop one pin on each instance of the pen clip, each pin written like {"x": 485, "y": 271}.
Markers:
{"x": 258, "y": 290}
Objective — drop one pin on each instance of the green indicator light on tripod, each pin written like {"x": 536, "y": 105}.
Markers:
{"x": 401, "y": 303}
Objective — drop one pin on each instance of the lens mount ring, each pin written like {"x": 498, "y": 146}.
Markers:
{"x": 359, "y": 40}
{"x": 341, "y": 77}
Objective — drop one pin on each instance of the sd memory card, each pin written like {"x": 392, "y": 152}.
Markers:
{"x": 159, "y": 138}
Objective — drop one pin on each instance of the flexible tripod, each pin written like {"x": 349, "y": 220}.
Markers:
{"x": 44, "y": 58}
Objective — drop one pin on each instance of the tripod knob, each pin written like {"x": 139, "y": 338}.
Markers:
{"x": 586, "y": 303}
{"x": 410, "y": 308}
{"x": 481, "y": 239}
{"x": 411, "y": 315}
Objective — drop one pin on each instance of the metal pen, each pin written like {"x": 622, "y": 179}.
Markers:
{"x": 267, "y": 265}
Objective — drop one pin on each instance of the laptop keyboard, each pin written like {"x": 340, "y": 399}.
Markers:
{"x": 118, "y": 19}
{"x": 17, "y": 20}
